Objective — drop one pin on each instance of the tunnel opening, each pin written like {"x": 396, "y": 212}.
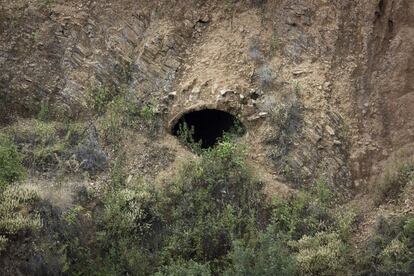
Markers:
{"x": 207, "y": 126}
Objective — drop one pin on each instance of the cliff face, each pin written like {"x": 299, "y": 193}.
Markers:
{"x": 325, "y": 88}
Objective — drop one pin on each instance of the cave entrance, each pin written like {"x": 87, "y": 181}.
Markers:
{"x": 207, "y": 126}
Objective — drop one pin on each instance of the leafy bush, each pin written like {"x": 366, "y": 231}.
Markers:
{"x": 15, "y": 215}
{"x": 306, "y": 213}
{"x": 322, "y": 254}
{"x": 58, "y": 147}
{"x": 186, "y": 137}
{"x": 148, "y": 112}
{"x": 112, "y": 123}
{"x": 409, "y": 229}
{"x": 40, "y": 144}
{"x": 129, "y": 229}
{"x": 188, "y": 229}
{"x": 11, "y": 168}
{"x": 185, "y": 268}
{"x": 44, "y": 113}
{"x": 316, "y": 232}
{"x": 124, "y": 112}
{"x": 214, "y": 201}
{"x": 266, "y": 256}
{"x": 98, "y": 97}
{"x": 390, "y": 250}
{"x": 3, "y": 242}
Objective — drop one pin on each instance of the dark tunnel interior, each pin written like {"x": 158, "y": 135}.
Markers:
{"x": 208, "y": 126}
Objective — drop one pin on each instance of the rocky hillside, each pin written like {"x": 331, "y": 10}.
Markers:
{"x": 91, "y": 92}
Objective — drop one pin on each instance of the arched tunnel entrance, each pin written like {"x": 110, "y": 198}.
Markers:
{"x": 207, "y": 126}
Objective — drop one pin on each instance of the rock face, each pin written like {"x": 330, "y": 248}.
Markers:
{"x": 326, "y": 88}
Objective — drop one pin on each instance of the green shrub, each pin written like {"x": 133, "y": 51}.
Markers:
{"x": 390, "y": 249}
{"x": 149, "y": 121}
{"x": 321, "y": 192}
{"x": 99, "y": 97}
{"x": 393, "y": 183}
{"x": 186, "y": 137}
{"x": 322, "y": 254}
{"x": 111, "y": 125}
{"x": 185, "y": 268}
{"x": 3, "y": 242}
{"x": 266, "y": 256}
{"x": 44, "y": 113}
{"x": 123, "y": 112}
{"x": 213, "y": 201}
{"x": 148, "y": 112}
{"x": 56, "y": 147}
{"x": 395, "y": 258}
{"x": 304, "y": 214}
{"x": 128, "y": 234}
{"x": 117, "y": 170}
{"x": 11, "y": 168}
{"x": 345, "y": 220}
{"x": 409, "y": 229}
{"x": 39, "y": 143}
{"x": 15, "y": 212}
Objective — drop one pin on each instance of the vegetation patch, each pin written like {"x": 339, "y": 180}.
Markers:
{"x": 11, "y": 168}
{"x": 393, "y": 183}
{"x": 16, "y": 214}
{"x": 390, "y": 249}
{"x": 212, "y": 218}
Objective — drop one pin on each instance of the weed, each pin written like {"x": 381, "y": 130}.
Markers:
{"x": 296, "y": 88}
{"x": 286, "y": 120}
{"x": 11, "y": 168}
{"x": 98, "y": 97}
{"x": 57, "y": 147}
{"x": 148, "y": 112}
{"x": 89, "y": 154}
{"x": 274, "y": 44}
{"x": 72, "y": 214}
{"x": 265, "y": 75}
{"x": 44, "y": 113}
{"x": 186, "y": 137}
{"x": 111, "y": 125}
{"x": 117, "y": 172}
